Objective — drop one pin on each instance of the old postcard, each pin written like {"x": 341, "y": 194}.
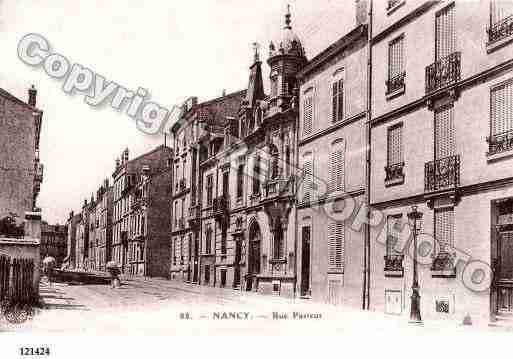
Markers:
{"x": 255, "y": 168}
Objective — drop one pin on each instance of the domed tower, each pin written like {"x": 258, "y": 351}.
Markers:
{"x": 286, "y": 59}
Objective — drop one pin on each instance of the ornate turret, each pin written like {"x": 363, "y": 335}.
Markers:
{"x": 285, "y": 60}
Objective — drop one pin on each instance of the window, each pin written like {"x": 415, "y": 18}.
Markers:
{"x": 274, "y": 84}
{"x": 336, "y": 168}
{"x": 336, "y": 246}
{"x": 444, "y": 132}
{"x": 396, "y": 71}
{"x": 256, "y": 176}
{"x": 445, "y": 32}
{"x": 275, "y": 158}
{"x": 240, "y": 181}
{"x": 181, "y": 250}
{"x": 394, "y": 145}
{"x": 307, "y": 177}
{"x": 223, "y": 240}
{"x": 338, "y": 100}
{"x": 208, "y": 241}
{"x": 210, "y": 189}
{"x": 278, "y": 240}
{"x": 176, "y": 214}
{"x": 444, "y": 229}
{"x": 223, "y": 278}
{"x": 307, "y": 115}
{"x": 394, "y": 224}
{"x": 226, "y": 184}
{"x": 501, "y": 138}
{"x": 501, "y": 20}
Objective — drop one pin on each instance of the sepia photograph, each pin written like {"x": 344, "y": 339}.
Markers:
{"x": 254, "y": 168}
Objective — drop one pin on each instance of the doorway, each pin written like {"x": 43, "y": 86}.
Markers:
{"x": 305, "y": 261}
{"x": 504, "y": 258}
{"x": 255, "y": 239}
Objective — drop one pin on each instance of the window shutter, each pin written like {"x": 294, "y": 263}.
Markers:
{"x": 340, "y": 112}
{"x": 335, "y": 102}
{"x": 336, "y": 245}
{"x": 307, "y": 178}
{"x": 444, "y": 228}
{"x": 336, "y": 166}
{"x": 444, "y": 133}
{"x": 307, "y": 115}
{"x": 395, "y": 139}
{"x": 502, "y": 109}
{"x": 445, "y": 34}
{"x": 395, "y": 58}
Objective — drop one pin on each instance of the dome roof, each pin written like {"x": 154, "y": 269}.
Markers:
{"x": 290, "y": 44}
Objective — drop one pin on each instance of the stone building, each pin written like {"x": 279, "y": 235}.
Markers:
{"x": 82, "y": 238}
{"x": 21, "y": 172}
{"x": 124, "y": 179}
{"x": 54, "y": 242}
{"x": 71, "y": 242}
{"x": 92, "y": 244}
{"x": 442, "y": 139}
{"x": 149, "y": 249}
{"x": 197, "y": 120}
{"x": 331, "y": 153}
{"x": 104, "y": 225}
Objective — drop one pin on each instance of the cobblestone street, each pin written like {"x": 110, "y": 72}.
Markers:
{"x": 161, "y": 307}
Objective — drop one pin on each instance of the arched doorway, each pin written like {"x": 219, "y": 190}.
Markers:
{"x": 255, "y": 243}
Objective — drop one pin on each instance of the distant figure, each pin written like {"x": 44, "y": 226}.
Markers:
{"x": 48, "y": 265}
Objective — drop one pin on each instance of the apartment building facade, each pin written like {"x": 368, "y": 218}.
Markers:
{"x": 441, "y": 141}
{"x": 53, "y": 242}
{"x": 21, "y": 173}
{"x": 149, "y": 246}
{"x": 198, "y": 122}
{"x": 71, "y": 241}
{"x": 124, "y": 179}
{"x": 104, "y": 225}
{"x": 331, "y": 153}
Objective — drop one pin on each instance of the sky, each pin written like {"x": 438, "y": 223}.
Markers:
{"x": 174, "y": 49}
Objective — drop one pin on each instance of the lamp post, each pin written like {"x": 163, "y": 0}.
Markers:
{"x": 415, "y": 219}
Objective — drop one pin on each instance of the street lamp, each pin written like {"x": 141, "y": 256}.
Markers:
{"x": 415, "y": 221}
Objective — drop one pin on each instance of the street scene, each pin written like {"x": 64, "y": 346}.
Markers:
{"x": 331, "y": 165}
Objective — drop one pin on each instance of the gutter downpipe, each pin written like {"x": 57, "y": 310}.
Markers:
{"x": 367, "y": 261}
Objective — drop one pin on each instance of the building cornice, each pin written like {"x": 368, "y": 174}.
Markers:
{"x": 332, "y": 128}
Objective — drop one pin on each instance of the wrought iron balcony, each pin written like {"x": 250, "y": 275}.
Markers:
{"x": 194, "y": 215}
{"x": 394, "y": 262}
{"x": 396, "y": 83}
{"x": 394, "y": 172}
{"x": 444, "y": 72}
{"x": 221, "y": 206}
{"x": 500, "y": 142}
{"x": 500, "y": 30}
{"x": 279, "y": 187}
{"x": 442, "y": 174}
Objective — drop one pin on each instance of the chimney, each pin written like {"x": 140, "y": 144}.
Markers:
{"x": 224, "y": 92}
{"x": 32, "y": 96}
{"x": 361, "y": 11}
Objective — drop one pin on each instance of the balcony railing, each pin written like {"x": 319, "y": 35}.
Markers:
{"x": 500, "y": 142}
{"x": 194, "y": 215}
{"x": 443, "y": 72}
{"x": 395, "y": 83}
{"x": 500, "y": 30}
{"x": 394, "y": 172}
{"x": 221, "y": 206}
{"x": 279, "y": 187}
{"x": 442, "y": 174}
{"x": 394, "y": 262}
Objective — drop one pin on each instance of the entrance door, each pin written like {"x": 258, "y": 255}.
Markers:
{"x": 195, "y": 259}
{"x": 305, "y": 261}
{"x": 505, "y": 272}
{"x": 253, "y": 256}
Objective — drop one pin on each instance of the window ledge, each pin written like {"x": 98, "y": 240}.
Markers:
{"x": 393, "y": 8}
{"x": 395, "y": 93}
{"x": 336, "y": 271}
{"x": 444, "y": 273}
{"x": 395, "y": 182}
{"x": 394, "y": 273}
{"x": 499, "y": 155}
{"x": 493, "y": 46}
